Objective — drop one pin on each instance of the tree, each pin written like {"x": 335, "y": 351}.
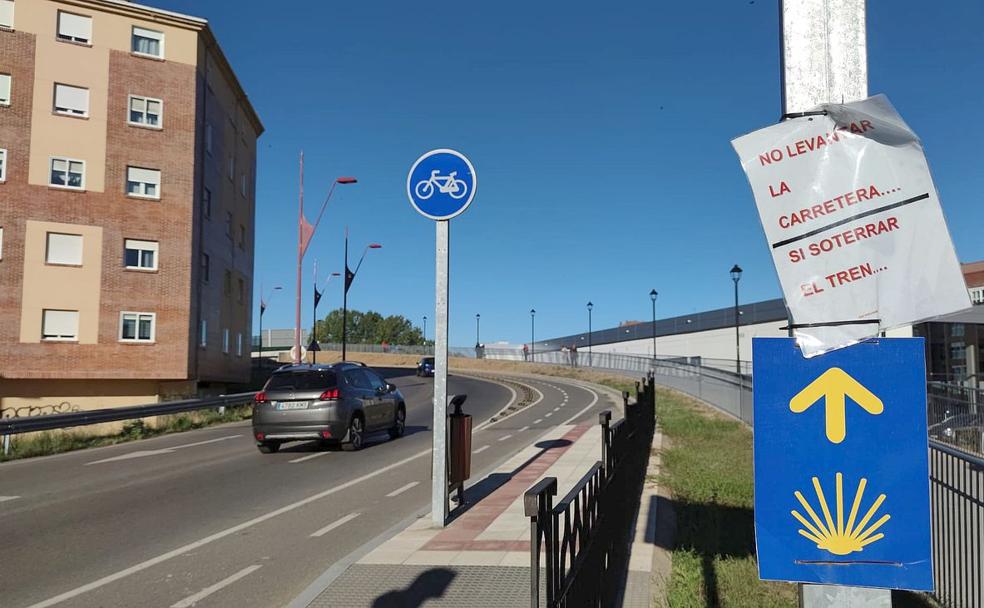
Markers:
{"x": 369, "y": 328}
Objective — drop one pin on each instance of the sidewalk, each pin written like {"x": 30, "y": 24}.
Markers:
{"x": 482, "y": 557}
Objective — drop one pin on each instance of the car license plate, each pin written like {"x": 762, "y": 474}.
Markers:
{"x": 293, "y": 405}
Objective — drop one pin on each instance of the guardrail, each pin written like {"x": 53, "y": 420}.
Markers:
{"x": 585, "y": 536}
{"x": 29, "y": 424}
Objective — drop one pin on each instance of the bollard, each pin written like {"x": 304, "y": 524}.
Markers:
{"x": 604, "y": 419}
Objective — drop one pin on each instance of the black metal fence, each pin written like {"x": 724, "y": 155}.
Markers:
{"x": 957, "y": 497}
{"x": 585, "y": 536}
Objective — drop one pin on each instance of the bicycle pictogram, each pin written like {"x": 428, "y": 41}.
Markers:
{"x": 445, "y": 184}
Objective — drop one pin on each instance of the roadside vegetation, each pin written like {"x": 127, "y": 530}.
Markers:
{"x": 55, "y": 442}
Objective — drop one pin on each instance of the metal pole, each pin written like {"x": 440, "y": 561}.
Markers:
{"x": 259, "y": 359}
{"x": 439, "y": 474}
{"x": 314, "y": 313}
{"x": 532, "y": 335}
{"x": 345, "y": 299}
{"x": 737, "y": 335}
{"x": 654, "y": 329}
{"x": 589, "y": 337}
{"x": 300, "y": 259}
{"x": 478, "y": 332}
{"x": 824, "y": 59}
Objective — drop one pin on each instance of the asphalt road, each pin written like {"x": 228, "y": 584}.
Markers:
{"x": 203, "y": 519}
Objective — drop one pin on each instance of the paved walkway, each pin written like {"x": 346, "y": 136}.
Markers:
{"x": 482, "y": 557}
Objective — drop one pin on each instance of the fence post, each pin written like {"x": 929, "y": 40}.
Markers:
{"x": 538, "y": 506}
{"x": 604, "y": 419}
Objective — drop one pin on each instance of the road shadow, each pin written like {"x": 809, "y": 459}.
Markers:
{"x": 430, "y": 584}
{"x": 477, "y": 492}
{"x": 371, "y": 439}
{"x": 709, "y": 529}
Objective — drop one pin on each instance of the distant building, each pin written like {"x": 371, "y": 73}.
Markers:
{"x": 954, "y": 342}
{"x": 127, "y": 206}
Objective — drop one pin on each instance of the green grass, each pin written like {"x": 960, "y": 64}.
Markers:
{"x": 56, "y": 442}
{"x": 708, "y": 469}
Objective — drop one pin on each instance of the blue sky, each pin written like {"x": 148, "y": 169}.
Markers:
{"x": 600, "y": 134}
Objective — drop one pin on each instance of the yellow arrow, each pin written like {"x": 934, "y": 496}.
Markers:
{"x": 834, "y": 385}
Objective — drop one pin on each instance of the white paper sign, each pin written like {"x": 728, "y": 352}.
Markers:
{"x": 854, "y": 223}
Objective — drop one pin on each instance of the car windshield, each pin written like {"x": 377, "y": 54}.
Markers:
{"x": 427, "y": 361}
{"x": 302, "y": 380}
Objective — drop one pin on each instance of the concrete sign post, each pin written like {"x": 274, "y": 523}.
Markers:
{"x": 440, "y": 186}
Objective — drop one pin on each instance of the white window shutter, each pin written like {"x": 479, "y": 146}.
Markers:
{"x": 61, "y": 323}
{"x": 75, "y": 26}
{"x": 73, "y": 98}
{"x": 64, "y": 249}
{"x": 7, "y": 13}
{"x": 145, "y": 176}
{"x": 5, "y": 88}
{"x": 144, "y": 33}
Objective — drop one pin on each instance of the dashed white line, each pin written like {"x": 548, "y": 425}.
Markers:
{"x": 332, "y": 526}
{"x": 482, "y": 449}
{"x": 158, "y": 452}
{"x": 504, "y": 437}
{"x": 548, "y": 414}
{"x": 586, "y": 408}
{"x": 109, "y": 578}
{"x": 309, "y": 457}
{"x": 191, "y": 600}
{"x": 6, "y": 498}
{"x": 525, "y": 428}
{"x": 538, "y": 421}
{"x": 556, "y": 408}
{"x": 403, "y": 489}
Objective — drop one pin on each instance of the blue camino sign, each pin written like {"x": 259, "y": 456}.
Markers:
{"x": 841, "y": 464}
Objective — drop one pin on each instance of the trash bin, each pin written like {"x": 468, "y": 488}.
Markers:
{"x": 459, "y": 446}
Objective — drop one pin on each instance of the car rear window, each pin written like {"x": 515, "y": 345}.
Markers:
{"x": 427, "y": 361}
{"x": 302, "y": 381}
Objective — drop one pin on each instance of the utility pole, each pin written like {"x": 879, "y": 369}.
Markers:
{"x": 345, "y": 288}
{"x": 825, "y": 60}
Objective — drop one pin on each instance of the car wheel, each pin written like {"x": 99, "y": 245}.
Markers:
{"x": 400, "y": 426}
{"x": 268, "y": 447}
{"x": 356, "y": 434}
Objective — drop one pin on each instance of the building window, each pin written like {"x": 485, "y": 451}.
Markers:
{"x": 3, "y": 165}
{"x": 976, "y": 294}
{"x": 203, "y": 334}
{"x": 70, "y": 100}
{"x": 242, "y": 237}
{"x": 1, "y": 242}
{"x": 239, "y": 344}
{"x": 207, "y": 202}
{"x": 74, "y": 28}
{"x": 67, "y": 173}
{"x": 60, "y": 325}
{"x": 225, "y": 341}
{"x": 228, "y": 224}
{"x": 7, "y": 14}
{"x": 241, "y": 293}
{"x": 137, "y": 326}
{"x": 144, "y": 183}
{"x": 145, "y": 111}
{"x": 242, "y": 184}
{"x": 227, "y": 283}
{"x": 148, "y": 42}
{"x": 232, "y": 168}
{"x": 208, "y": 138}
{"x": 4, "y": 89}
{"x": 140, "y": 254}
{"x": 205, "y": 268}
{"x": 63, "y": 249}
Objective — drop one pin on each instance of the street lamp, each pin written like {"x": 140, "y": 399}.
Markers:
{"x": 425, "y": 330}
{"x": 736, "y": 276}
{"x": 305, "y": 232}
{"x": 652, "y": 296}
{"x": 532, "y": 333}
{"x": 349, "y": 278}
{"x": 264, "y": 300}
{"x": 314, "y": 311}
{"x": 478, "y": 319}
{"x": 590, "y": 308}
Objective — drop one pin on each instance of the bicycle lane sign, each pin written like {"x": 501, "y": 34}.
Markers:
{"x": 441, "y": 184}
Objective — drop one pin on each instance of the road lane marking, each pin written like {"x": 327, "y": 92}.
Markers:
{"x": 487, "y": 424}
{"x": 504, "y": 437}
{"x": 6, "y": 498}
{"x": 191, "y": 600}
{"x": 588, "y": 407}
{"x": 556, "y": 408}
{"x": 548, "y": 414}
{"x": 309, "y": 457}
{"x": 110, "y": 578}
{"x": 332, "y": 526}
{"x": 482, "y": 449}
{"x": 525, "y": 428}
{"x": 402, "y": 489}
{"x": 161, "y": 451}
{"x": 538, "y": 421}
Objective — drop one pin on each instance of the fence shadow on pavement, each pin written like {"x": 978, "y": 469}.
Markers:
{"x": 431, "y": 584}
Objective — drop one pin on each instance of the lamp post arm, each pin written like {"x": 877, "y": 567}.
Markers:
{"x": 324, "y": 205}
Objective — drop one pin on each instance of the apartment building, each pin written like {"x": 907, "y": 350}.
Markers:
{"x": 127, "y": 172}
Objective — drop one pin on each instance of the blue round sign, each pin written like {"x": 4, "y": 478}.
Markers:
{"x": 441, "y": 184}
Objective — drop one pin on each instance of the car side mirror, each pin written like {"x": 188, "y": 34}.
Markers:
{"x": 390, "y": 387}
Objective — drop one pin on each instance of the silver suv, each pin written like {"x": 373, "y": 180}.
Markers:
{"x": 340, "y": 403}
